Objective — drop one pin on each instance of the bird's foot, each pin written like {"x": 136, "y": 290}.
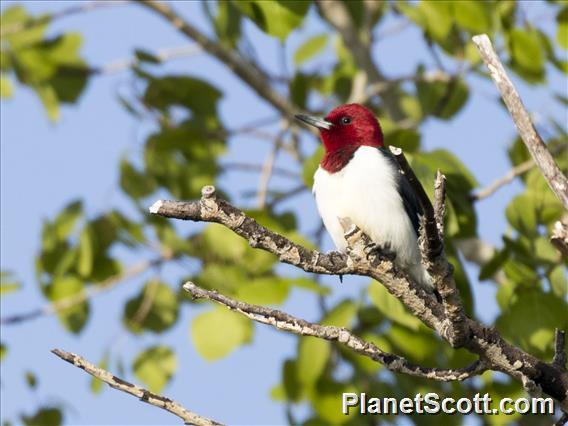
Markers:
{"x": 333, "y": 254}
{"x": 382, "y": 252}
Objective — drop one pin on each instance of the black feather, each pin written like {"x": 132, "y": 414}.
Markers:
{"x": 409, "y": 198}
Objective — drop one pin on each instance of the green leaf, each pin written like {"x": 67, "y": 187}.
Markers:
{"x": 154, "y": 309}
{"x": 22, "y": 29}
{"x": 545, "y": 312}
{"x": 218, "y": 332}
{"x": 31, "y": 380}
{"x": 310, "y": 48}
{"x": 48, "y": 98}
{"x": 145, "y": 56}
{"x": 86, "y": 255}
{"x": 291, "y": 385}
{"x": 435, "y": 18}
{"x": 558, "y": 280}
{"x": 562, "y": 28}
{"x": 134, "y": 183}
{"x": 97, "y": 384}
{"x": 473, "y": 15}
{"x": 415, "y": 346}
{"x": 521, "y": 214}
{"x": 75, "y": 317}
{"x": 328, "y": 406}
{"x": 406, "y": 139}
{"x": 299, "y": 89}
{"x": 313, "y": 354}
{"x": 3, "y": 351}
{"x": 227, "y": 23}
{"x": 391, "y": 307}
{"x": 46, "y": 416}
{"x": 462, "y": 218}
{"x": 493, "y": 265}
{"x": 275, "y": 17}
{"x": 155, "y": 367}
{"x": 6, "y": 88}
{"x": 8, "y": 284}
{"x": 264, "y": 291}
{"x": 342, "y": 315}
{"x": 527, "y": 51}
{"x": 197, "y": 95}
{"x": 66, "y": 220}
{"x": 442, "y": 99}
{"x": 310, "y": 166}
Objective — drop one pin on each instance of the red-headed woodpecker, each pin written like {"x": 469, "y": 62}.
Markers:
{"x": 360, "y": 180}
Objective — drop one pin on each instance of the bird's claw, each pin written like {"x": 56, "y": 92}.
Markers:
{"x": 382, "y": 252}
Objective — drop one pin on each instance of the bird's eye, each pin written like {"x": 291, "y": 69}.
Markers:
{"x": 345, "y": 120}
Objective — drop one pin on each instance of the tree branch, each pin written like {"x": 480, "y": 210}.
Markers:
{"x": 365, "y": 259}
{"x": 245, "y": 69}
{"x": 283, "y": 321}
{"x": 542, "y": 157}
{"x": 518, "y": 170}
{"x": 188, "y": 417}
{"x": 559, "y": 348}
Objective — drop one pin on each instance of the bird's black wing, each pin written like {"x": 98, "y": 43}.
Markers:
{"x": 409, "y": 198}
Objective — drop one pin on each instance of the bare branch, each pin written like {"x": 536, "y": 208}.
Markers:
{"x": 268, "y": 166}
{"x": 88, "y": 293}
{"x": 365, "y": 259}
{"x": 559, "y": 348}
{"x": 542, "y": 157}
{"x": 283, "y": 321}
{"x": 245, "y": 69}
{"x": 188, "y": 417}
{"x": 518, "y": 170}
{"x": 502, "y": 181}
{"x": 361, "y": 261}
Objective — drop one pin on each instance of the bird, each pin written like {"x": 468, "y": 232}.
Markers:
{"x": 359, "y": 179}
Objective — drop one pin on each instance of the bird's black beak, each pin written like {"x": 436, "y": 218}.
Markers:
{"x": 318, "y": 123}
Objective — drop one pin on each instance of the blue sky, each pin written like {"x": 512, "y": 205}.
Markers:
{"x": 44, "y": 166}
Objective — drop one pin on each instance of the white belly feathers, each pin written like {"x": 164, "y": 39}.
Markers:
{"x": 365, "y": 191}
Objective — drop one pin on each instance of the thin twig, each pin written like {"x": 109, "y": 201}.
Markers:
{"x": 161, "y": 55}
{"x": 268, "y": 167}
{"x": 516, "y": 171}
{"x": 188, "y": 417}
{"x": 538, "y": 150}
{"x": 283, "y": 321}
{"x": 250, "y": 167}
{"x": 75, "y": 299}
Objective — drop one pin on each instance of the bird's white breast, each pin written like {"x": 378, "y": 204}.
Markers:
{"x": 366, "y": 191}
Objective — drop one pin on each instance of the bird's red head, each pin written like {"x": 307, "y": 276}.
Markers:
{"x": 343, "y": 130}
